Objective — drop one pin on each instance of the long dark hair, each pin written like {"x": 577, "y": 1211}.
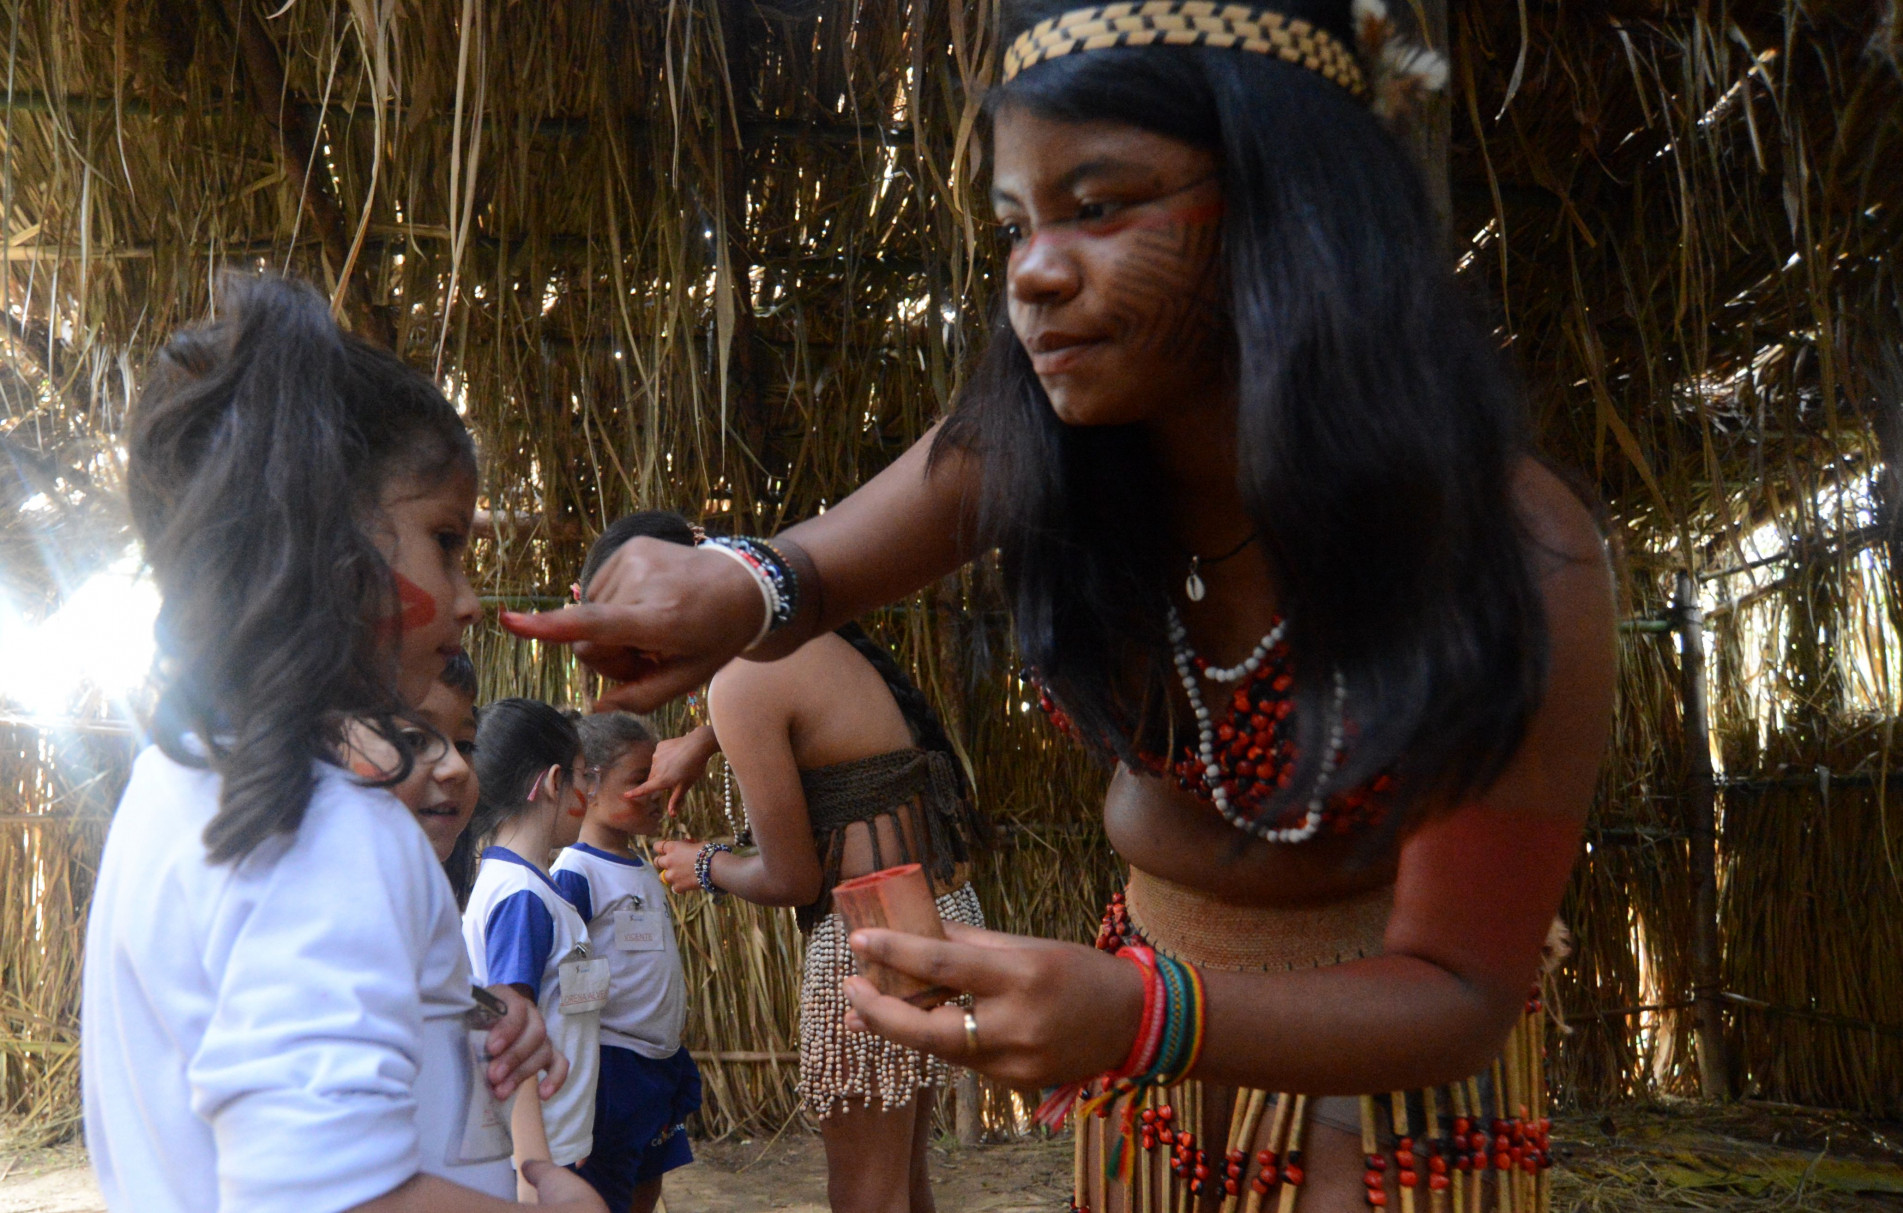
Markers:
{"x": 516, "y": 740}
{"x": 1377, "y": 434}
{"x": 257, "y": 453}
{"x": 928, "y": 732}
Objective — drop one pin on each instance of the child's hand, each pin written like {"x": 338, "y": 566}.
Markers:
{"x": 520, "y": 1049}
{"x": 561, "y": 1188}
{"x": 676, "y": 863}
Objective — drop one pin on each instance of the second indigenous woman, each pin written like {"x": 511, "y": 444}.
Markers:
{"x": 1278, "y": 545}
{"x": 844, "y": 770}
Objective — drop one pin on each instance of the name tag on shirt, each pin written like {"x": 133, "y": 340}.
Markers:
{"x": 584, "y": 985}
{"x": 639, "y": 930}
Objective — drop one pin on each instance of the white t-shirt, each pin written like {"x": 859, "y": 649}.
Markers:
{"x": 520, "y": 930}
{"x": 625, "y": 906}
{"x": 280, "y": 1034}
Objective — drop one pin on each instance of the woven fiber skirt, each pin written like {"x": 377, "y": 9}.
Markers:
{"x": 1468, "y": 1147}
{"x": 838, "y": 1065}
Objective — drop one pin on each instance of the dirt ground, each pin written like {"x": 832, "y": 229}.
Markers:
{"x": 787, "y": 1176}
{"x": 1660, "y": 1159}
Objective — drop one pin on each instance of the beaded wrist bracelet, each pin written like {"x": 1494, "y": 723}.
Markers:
{"x": 704, "y": 867}
{"x": 779, "y": 584}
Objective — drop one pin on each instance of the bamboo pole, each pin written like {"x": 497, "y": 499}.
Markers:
{"x": 1701, "y": 822}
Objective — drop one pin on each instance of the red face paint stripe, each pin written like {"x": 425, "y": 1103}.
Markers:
{"x": 418, "y": 609}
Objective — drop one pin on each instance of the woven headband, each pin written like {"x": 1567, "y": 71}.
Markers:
{"x": 1187, "y": 23}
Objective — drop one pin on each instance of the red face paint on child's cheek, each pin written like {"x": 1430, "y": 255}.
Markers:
{"x": 418, "y": 609}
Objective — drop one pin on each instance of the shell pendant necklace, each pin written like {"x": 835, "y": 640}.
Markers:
{"x": 1193, "y": 587}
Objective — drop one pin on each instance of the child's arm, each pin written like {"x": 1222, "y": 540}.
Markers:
{"x": 531, "y": 1138}
{"x": 558, "y": 1190}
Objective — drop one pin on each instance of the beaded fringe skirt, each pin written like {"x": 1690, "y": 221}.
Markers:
{"x": 1477, "y": 1146}
{"x": 838, "y": 1065}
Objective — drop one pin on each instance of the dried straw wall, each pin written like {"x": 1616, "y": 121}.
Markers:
{"x": 723, "y": 256}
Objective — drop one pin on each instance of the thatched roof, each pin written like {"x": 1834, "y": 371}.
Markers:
{"x": 723, "y": 255}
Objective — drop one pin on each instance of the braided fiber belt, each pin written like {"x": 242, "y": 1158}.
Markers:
{"x": 1187, "y": 23}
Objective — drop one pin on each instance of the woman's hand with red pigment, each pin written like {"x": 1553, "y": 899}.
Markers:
{"x": 659, "y": 620}
{"x": 679, "y": 763}
{"x": 1047, "y": 1012}
{"x": 520, "y": 1049}
{"x": 675, "y": 862}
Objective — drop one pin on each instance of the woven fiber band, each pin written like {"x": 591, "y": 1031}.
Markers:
{"x": 1187, "y": 23}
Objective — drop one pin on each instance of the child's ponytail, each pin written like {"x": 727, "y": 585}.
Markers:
{"x": 516, "y": 741}
{"x": 257, "y": 456}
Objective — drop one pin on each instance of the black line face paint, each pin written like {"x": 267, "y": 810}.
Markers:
{"x": 1115, "y": 270}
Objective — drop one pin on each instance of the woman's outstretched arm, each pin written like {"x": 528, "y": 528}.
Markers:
{"x": 662, "y": 618}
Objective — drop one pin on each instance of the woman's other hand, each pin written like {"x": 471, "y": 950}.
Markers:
{"x": 520, "y": 1048}
{"x": 675, "y": 861}
{"x": 659, "y": 620}
{"x": 1047, "y": 1012}
{"x": 679, "y": 764}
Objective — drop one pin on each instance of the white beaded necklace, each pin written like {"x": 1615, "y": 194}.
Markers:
{"x": 1185, "y": 659}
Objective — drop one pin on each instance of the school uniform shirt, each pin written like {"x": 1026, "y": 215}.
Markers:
{"x": 625, "y": 906}
{"x": 520, "y": 930}
{"x": 283, "y": 1034}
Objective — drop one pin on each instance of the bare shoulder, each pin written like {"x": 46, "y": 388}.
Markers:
{"x": 1566, "y": 549}
{"x": 781, "y": 681}
{"x": 1569, "y": 561}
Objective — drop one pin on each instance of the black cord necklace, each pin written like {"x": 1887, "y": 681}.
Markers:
{"x": 1193, "y": 586}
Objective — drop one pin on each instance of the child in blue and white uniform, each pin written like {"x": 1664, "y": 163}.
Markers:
{"x": 519, "y": 929}
{"x": 276, "y": 1008}
{"x": 649, "y": 1084}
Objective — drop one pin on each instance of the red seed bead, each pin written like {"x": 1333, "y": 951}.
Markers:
{"x": 1437, "y": 1165}
{"x": 1292, "y": 1175}
{"x": 1265, "y": 1159}
{"x": 1377, "y": 1162}
{"x": 1503, "y": 1162}
{"x": 1148, "y": 1117}
{"x": 1465, "y": 1162}
{"x": 1377, "y": 1198}
{"x": 1230, "y": 1187}
{"x": 1410, "y": 1179}
{"x": 1438, "y": 1183}
{"x": 1201, "y": 1172}
{"x": 1477, "y": 1141}
{"x": 1462, "y": 1125}
{"x": 1530, "y": 1163}
{"x": 1373, "y": 1179}
{"x": 1498, "y": 1126}
{"x": 1261, "y": 1185}
{"x": 1404, "y": 1157}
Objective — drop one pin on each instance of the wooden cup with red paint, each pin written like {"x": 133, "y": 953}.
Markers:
{"x": 898, "y": 899}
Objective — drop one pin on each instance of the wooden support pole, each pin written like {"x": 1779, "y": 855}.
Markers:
{"x": 967, "y": 1111}
{"x": 1701, "y": 823}
{"x": 296, "y": 141}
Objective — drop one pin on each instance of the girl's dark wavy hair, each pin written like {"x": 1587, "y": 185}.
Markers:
{"x": 257, "y": 456}
{"x": 516, "y": 740}
{"x": 1378, "y": 433}
{"x": 927, "y": 730}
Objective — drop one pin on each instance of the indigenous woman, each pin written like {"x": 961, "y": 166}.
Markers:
{"x": 844, "y": 770}
{"x": 1276, "y": 544}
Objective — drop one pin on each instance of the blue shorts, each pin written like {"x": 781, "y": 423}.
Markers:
{"x": 641, "y": 1107}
